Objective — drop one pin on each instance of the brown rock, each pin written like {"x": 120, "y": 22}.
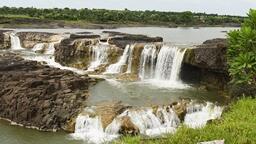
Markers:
{"x": 128, "y": 127}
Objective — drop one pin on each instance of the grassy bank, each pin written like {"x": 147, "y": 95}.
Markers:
{"x": 237, "y": 126}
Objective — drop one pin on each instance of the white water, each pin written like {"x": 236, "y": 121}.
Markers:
{"x": 151, "y": 124}
{"x": 99, "y": 55}
{"x": 50, "y": 50}
{"x": 15, "y": 42}
{"x": 169, "y": 63}
{"x": 129, "y": 68}
{"x": 198, "y": 115}
{"x": 118, "y": 67}
{"x": 162, "y": 68}
{"x": 38, "y": 47}
{"x": 147, "y": 62}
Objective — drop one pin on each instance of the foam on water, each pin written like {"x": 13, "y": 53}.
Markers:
{"x": 150, "y": 122}
{"x": 198, "y": 115}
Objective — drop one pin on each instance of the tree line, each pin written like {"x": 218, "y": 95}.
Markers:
{"x": 123, "y": 16}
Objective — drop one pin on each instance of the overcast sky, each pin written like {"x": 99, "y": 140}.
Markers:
{"x": 231, "y": 7}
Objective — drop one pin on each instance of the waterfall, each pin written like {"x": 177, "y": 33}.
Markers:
{"x": 38, "y": 47}
{"x": 15, "y": 42}
{"x": 118, "y": 67}
{"x": 50, "y": 50}
{"x": 99, "y": 55}
{"x": 161, "y": 68}
{"x": 150, "y": 122}
{"x": 129, "y": 68}
{"x": 147, "y": 62}
{"x": 169, "y": 63}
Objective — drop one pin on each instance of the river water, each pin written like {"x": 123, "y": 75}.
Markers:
{"x": 144, "y": 93}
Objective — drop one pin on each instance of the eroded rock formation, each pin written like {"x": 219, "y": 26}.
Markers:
{"x": 38, "y": 96}
{"x": 207, "y": 64}
{"x": 30, "y": 39}
{"x": 5, "y": 41}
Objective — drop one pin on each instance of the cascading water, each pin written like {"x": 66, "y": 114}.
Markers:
{"x": 118, "y": 67}
{"x": 161, "y": 68}
{"x": 147, "y": 62}
{"x": 50, "y": 50}
{"x": 150, "y": 122}
{"x": 15, "y": 42}
{"x": 99, "y": 55}
{"x": 38, "y": 47}
{"x": 129, "y": 68}
{"x": 168, "y": 63}
{"x": 198, "y": 115}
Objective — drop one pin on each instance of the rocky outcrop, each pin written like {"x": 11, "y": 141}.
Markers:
{"x": 5, "y": 41}
{"x": 121, "y": 40}
{"x": 207, "y": 64}
{"x": 38, "y": 96}
{"x": 107, "y": 111}
{"x": 77, "y": 51}
{"x": 30, "y": 39}
{"x": 210, "y": 55}
{"x": 74, "y": 52}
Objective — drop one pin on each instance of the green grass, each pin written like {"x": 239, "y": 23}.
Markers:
{"x": 237, "y": 126}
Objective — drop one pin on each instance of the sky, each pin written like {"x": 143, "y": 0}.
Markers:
{"x": 229, "y": 7}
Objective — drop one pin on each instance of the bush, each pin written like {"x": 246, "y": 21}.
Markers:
{"x": 242, "y": 52}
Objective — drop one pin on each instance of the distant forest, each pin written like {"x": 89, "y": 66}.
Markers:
{"x": 126, "y": 16}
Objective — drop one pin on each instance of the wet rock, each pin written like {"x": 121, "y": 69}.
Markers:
{"x": 210, "y": 55}
{"x": 108, "y": 111}
{"x": 122, "y": 41}
{"x": 128, "y": 127}
{"x": 84, "y": 35}
{"x": 207, "y": 64}
{"x": 5, "y": 41}
{"x": 74, "y": 52}
{"x": 35, "y": 95}
{"x": 180, "y": 108}
{"x": 30, "y": 39}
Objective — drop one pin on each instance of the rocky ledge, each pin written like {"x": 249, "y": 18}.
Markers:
{"x": 30, "y": 39}
{"x": 5, "y": 41}
{"x": 122, "y": 39}
{"x": 207, "y": 63}
{"x": 37, "y": 96}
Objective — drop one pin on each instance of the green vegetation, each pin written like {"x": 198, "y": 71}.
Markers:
{"x": 242, "y": 52}
{"x": 237, "y": 126}
{"x": 103, "y": 16}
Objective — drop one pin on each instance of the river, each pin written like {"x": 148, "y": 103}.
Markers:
{"x": 144, "y": 93}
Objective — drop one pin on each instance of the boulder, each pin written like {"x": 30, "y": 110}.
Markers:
{"x": 180, "y": 108}
{"x": 39, "y": 96}
{"x": 108, "y": 111}
{"x": 30, "y": 39}
{"x": 5, "y": 41}
{"x": 128, "y": 127}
